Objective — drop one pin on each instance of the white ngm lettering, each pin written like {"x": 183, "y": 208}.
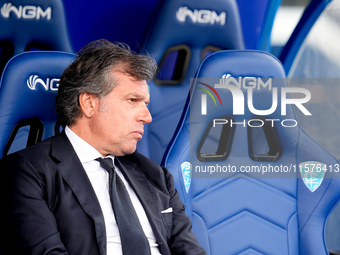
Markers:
{"x": 245, "y": 82}
{"x": 49, "y": 84}
{"x": 200, "y": 16}
{"x": 26, "y": 12}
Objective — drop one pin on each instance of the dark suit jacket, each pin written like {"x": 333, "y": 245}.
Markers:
{"x": 48, "y": 205}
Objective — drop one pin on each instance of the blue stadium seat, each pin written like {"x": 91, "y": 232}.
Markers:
{"x": 181, "y": 33}
{"x": 28, "y": 88}
{"x": 30, "y": 25}
{"x": 237, "y": 163}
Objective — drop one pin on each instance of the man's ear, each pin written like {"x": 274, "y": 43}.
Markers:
{"x": 88, "y": 103}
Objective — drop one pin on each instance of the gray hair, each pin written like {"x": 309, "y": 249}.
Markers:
{"x": 92, "y": 72}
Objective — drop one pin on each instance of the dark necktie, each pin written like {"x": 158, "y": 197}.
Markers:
{"x": 134, "y": 241}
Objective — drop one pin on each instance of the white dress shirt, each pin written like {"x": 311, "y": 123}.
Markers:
{"x": 99, "y": 179}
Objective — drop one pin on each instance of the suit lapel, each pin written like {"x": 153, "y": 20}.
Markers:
{"x": 74, "y": 174}
{"x": 141, "y": 186}
{"x": 146, "y": 195}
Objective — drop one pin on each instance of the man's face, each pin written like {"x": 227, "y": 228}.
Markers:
{"x": 118, "y": 123}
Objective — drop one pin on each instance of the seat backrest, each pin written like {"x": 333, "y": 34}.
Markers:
{"x": 236, "y": 160}
{"x": 27, "y": 25}
{"x": 180, "y": 35}
{"x": 28, "y": 88}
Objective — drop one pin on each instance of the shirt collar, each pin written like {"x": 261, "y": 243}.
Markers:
{"x": 84, "y": 151}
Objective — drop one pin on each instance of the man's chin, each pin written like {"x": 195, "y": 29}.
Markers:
{"x": 129, "y": 150}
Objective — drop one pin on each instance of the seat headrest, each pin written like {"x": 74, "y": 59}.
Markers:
{"x": 251, "y": 73}
{"x": 243, "y": 97}
{"x": 29, "y": 85}
{"x": 196, "y": 23}
{"x": 37, "y": 23}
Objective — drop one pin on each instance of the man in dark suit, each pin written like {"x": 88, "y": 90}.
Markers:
{"x": 55, "y": 196}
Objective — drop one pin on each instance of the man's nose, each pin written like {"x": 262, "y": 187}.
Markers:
{"x": 145, "y": 115}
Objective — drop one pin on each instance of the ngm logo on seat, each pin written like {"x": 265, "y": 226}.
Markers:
{"x": 200, "y": 16}
{"x": 26, "y": 12}
{"x": 249, "y": 84}
{"x": 49, "y": 84}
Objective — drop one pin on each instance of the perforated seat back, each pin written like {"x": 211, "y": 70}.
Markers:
{"x": 28, "y": 88}
{"x": 27, "y": 25}
{"x": 181, "y": 34}
{"x": 246, "y": 194}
